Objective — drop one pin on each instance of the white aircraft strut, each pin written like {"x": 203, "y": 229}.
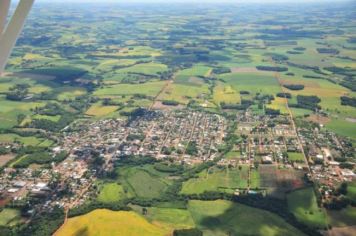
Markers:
{"x": 9, "y": 33}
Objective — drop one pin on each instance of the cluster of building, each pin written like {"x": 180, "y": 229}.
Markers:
{"x": 183, "y": 135}
{"x": 268, "y": 140}
{"x": 330, "y": 158}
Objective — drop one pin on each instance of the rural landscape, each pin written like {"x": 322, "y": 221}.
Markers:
{"x": 160, "y": 119}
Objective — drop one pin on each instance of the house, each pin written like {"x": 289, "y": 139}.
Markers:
{"x": 267, "y": 160}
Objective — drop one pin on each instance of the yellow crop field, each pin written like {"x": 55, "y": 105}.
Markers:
{"x": 107, "y": 223}
{"x": 98, "y": 110}
{"x": 225, "y": 93}
{"x": 279, "y": 104}
{"x": 31, "y": 56}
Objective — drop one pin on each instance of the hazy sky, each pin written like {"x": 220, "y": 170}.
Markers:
{"x": 188, "y": 1}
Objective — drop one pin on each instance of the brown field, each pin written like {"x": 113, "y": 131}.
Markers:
{"x": 279, "y": 181}
{"x": 319, "y": 119}
{"x": 342, "y": 231}
{"x": 6, "y": 158}
{"x": 159, "y": 106}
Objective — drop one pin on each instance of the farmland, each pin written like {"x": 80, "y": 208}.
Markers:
{"x": 302, "y": 203}
{"x": 143, "y": 182}
{"x": 220, "y": 219}
{"x": 145, "y": 119}
{"x": 111, "y": 192}
{"x": 9, "y": 217}
{"x": 217, "y": 180}
{"x": 105, "y": 222}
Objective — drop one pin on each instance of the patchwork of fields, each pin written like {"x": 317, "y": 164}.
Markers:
{"x": 283, "y": 77}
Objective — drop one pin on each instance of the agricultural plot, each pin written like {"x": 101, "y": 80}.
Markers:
{"x": 183, "y": 93}
{"x": 9, "y": 217}
{"x": 218, "y": 179}
{"x": 144, "y": 68}
{"x": 279, "y": 181}
{"x": 223, "y": 218}
{"x": 106, "y": 222}
{"x": 10, "y": 138}
{"x": 203, "y": 58}
{"x": 170, "y": 218}
{"x": 99, "y": 110}
{"x": 302, "y": 203}
{"x": 143, "y": 183}
{"x": 225, "y": 93}
{"x": 111, "y": 192}
{"x": 342, "y": 218}
{"x": 149, "y": 89}
{"x": 267, "y": 83}
{"x": 4, "y": 159}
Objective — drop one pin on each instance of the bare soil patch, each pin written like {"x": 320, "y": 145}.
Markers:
{"x": 319, "y": 119}
{"x": 342, "y": 231}
{"x": 159, "y": 106}
{"x": 6, "y": 158}
{"x": 352, "y": 120}
{"x": 244, "y": 70}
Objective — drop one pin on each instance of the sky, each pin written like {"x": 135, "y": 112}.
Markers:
{"x": 198, "y": 1}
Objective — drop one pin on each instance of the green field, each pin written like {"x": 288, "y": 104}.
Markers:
{"x": 226, "y": 218}
{"x": 143, "y": 183}
{"x": 342, "y": 127}
{"x": 149, "y": 89}
{"x": 9, "y": 138}
{"x": 295, "y": 157}
{"x": 111, "y": 192}
{"x": 302, "y": 203}
{"x": 267, "y": 84}
{"x": 170, "y": 218}
{"x": 342, "y": 218}
{"x": 217, "y": 179}
{"x": 9, "y": 217}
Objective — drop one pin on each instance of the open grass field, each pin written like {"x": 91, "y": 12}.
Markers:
{"x": 295, "y": 157}
{"x": 302, "y": 203}
{"x": 170, "y": 218}
{"x": 10, "y": 138}
{"x": 111, "y": 192}
{"x": 343, "y": 218}
{"x": 9, "y": 217}
{"x": 11, "y": 109}
{"x": 183, "y": 93}
{"x": 225, "y": 93}
{"x": 145, "y": 68}
{"x": 279, "y": 104}
{"x": 267, "y": 84}
{"x": 222, "y": 218}
{"x": 216, "y": 179}
{"x": 51, "y": 118}
{"x": 141, "y": 182}
{"x": 233, "y": 155}
{"x": 255, "y": 179}
{"x": 98, "y": 110}
{"x": 351, "y": 191}
{"x": 66, "y": 93}
{"x": 342, "y": 127}
{"x": 149, "y": 89}
{"x": 106, "y": 223}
